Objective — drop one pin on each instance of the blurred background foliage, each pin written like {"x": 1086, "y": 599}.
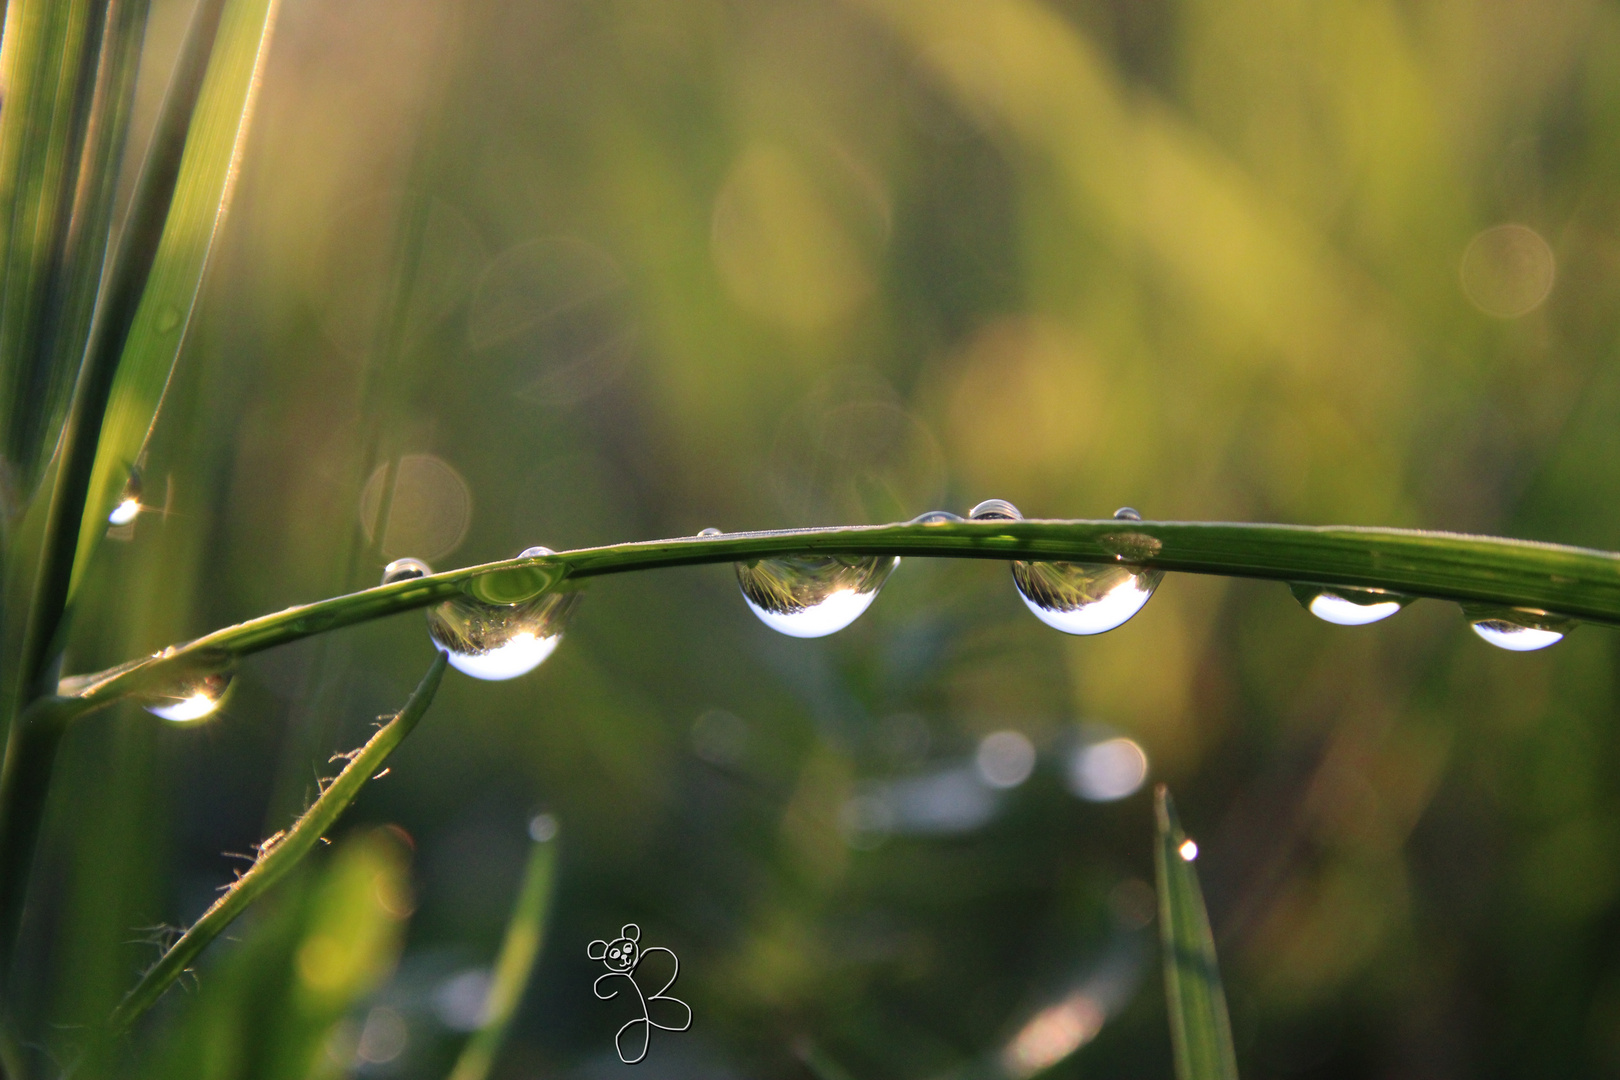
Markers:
{"x": 562, "y": 272}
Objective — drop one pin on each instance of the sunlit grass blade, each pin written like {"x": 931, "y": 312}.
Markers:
{"x": 1199, "y": 1027}
{"x": 519, "y": 950}
{"x": 281, "y": 853}
{"x": 207, "y": 167}
{"x": 1576, "y": 582}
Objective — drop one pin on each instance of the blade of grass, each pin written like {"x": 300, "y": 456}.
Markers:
{"x": 1577, "y": 582}
{"x": 205, "y": 171}
{"x": 519, "y": 950}
{"x": 1199, "y": 1027}
{"x": 280, "y": 853}
{"x": 48, "y": 63}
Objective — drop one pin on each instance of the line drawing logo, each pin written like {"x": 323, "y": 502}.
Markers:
{"x": 623, "y": 956}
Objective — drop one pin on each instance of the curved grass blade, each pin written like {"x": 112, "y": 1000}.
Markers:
{"x": 519, "y": 950}
{"x": 1576, "y": 582}
{"x": 281, "y": 852}
{"x": 1199, "y": 1027}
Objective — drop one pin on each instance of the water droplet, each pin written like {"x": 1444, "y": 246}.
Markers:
{"x": 995, "y": 510}
{"x": 935, "y": 517}
{"x": 501, "y": 641}
{"x": 710, "y": 531}
{"x": 192, "y": 698}
{"x": 167, "y": 319}
{"x": 1517, "y": 629}
{"x": 810, "y": 596}
{"x": 404, "y": 570}
{"x": 1188, "y": 850}
{"x": 1127, "y": 513}
{"x": 1343, "y": 606}
{"x": 1081, "y": 598}
{"x": 124, "y": 512}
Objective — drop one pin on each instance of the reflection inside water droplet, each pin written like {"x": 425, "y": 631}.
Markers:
{"x": 501, "y": 641}
{"x": 191, "y": 699}
{"x": 1348, "y": 607}
{"x": 995, "y": 510}
{"x": 1517, "y": 629}
{"x": 1081, "y": 598}
{"x": 810, "y": 596}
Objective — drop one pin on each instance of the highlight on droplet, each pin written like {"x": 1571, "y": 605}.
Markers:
{"x": 1188, "y": 850}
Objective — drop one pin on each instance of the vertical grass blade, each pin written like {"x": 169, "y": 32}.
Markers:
{"x": 281, "y": 853}
{"x": 213, "y": 150}
{"x": 1199, "y": 1027}
{"x": 519, "y": 950}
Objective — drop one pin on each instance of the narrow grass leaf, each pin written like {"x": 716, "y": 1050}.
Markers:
{"x": 281, "y": 853}
{"x": 519, "y": 950}
{"x": 1199, "y": 1027}
{"x": 213, "y": 149}
{"x": 1576, "y": 582}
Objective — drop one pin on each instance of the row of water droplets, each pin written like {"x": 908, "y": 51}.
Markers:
{"x": 815, "y": 595}
{"x": 811, "y": 596}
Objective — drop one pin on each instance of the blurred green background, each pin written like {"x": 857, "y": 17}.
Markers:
{"x": 571, "y": 272}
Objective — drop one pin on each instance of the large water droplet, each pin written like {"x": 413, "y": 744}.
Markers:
{"x": 501, "y": 641}
{"x": 1083, "y": 598}
{"x": 810, "y": 596}
{"x": 1517, "y": 629}
{"x": 192, "y": 698}
{"x": 1348, "y": 607}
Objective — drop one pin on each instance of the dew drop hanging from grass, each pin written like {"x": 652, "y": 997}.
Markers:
{"x": 192, "y": 698}
{"x": 1348, "y": 607}
{"x": 1076, "y": 598}
{"x": 811, "y": 596}
{"x": 489, "y": 641}
{"x": 1517, "y": 629}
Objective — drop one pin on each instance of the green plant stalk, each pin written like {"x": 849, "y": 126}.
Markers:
{"x": 1200, "y": 1029}
{"x": 1577, "y": 582}
{"x": 281, "y": 853}
{"x": 25, "y": 777}
{"x": 520, "y": 948}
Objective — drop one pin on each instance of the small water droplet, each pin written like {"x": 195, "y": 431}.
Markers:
{"x": 1517, "y": 629}
{"x": 191, "y": 698}
{"x": 167, "y": 319}
{"x": 935, "y": 517}
{"x": 501, "y": 641}
{"x": 810, "y": 596}
{"x": 1127, "y": 513}
{"x": 124, "y": 512}
{"x": 1343, "y": 606}
{"x": 404, "y": 570}
{"x": 995, "y": 510}
{"x": 1082, "y": 598}
{"x": 1188, "y": 850}
{"x": 710, "y": 531}
{"x": 535, "y": 552}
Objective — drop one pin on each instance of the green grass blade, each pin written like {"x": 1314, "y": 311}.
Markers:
{"x": 48, "y": 65}
{"x": 1199, "y": 1027}
{"x": 1577, "y": 582}
{"x": 519, "y": 950}
{"x": 281, "y": 853}
{"x": 213, "y": 148}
